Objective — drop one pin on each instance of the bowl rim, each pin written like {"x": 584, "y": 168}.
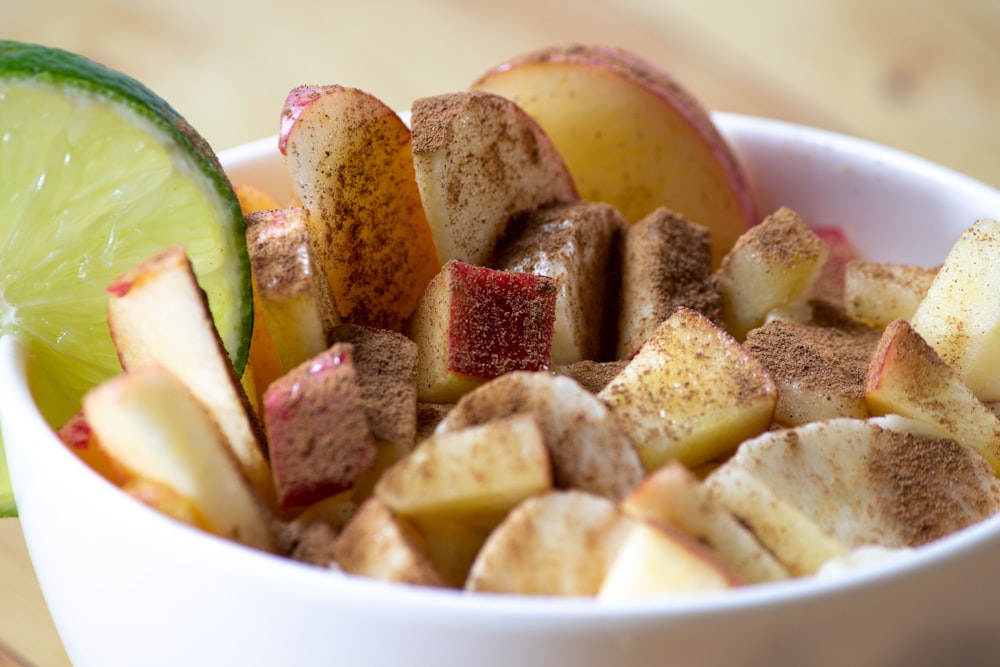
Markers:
{"x": 16, "y": 399}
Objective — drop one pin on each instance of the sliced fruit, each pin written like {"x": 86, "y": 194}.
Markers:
{"x": 691, "y": 393}
{"x": 474, "y": 323}
{"x": 559, "y": 543}
{"x": 479, "y": 160}
{"x": 823, "y": 490}
{"x": 772, "y": 267}
{"x": 960, "y": 315}
{"x": 98, "y": 173}
{"x": 604, "y": 106}
{"x": 350, "y": 158}
{"x": 158, "y": 314}
{"x": 576, "y": 246}
{"x": 587, "y": 444}
{"x": 155, "y": 429}
{"x": 878, "y": 293}
{"x": 907, "y": 377}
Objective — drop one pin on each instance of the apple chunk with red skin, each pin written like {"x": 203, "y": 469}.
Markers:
{"x": 474, "y": 323}
{"x": 317, "y": 429}
{"x": 604, "y": 106}
{"x": 157, "y": 313}
{"x": 350, "y": 158}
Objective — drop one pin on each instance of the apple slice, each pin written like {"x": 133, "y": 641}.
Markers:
{"x": 317, "y": 429}
{"x": 666, "y": 264}
{"x": 657, "y": 561}
{"x": 819, "y": 370}
{"x": 960, "y": 316}
{"x": 878, "y": 293}
{"x": 603, "y": 106}
{"x": 349, "y": 156}
{"x": 480, "y": 471}
{"x": 907, "y": 377}
{"x": 474, "y": 324}
{"x": 773, "y": 266}
{"x": 378, "y": 544}
{"x": 576, "y": 246}
{"x": 691, "y": 393}
{"x": 293, "y": 292}
{"x": 673, "y": 496}
{"x": 587, "y": 444}
{"x": 560, "y": 543}
{"x": 479, "y": 160}
{"x": 157, "y": 313}
{"x": 456, "y": 487}
{"x": 154, "y": 428}
{"x": 820, "y": 491}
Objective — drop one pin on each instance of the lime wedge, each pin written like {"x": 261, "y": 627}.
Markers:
{"x": 97, "y": 173}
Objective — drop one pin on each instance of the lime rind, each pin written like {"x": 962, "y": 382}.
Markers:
{"x": 97, "y": 173}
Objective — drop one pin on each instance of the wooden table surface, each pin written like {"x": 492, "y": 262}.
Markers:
{"x": 919, "y": 75}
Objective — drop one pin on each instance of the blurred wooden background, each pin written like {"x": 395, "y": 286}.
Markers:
{"x": 918, "y": 75}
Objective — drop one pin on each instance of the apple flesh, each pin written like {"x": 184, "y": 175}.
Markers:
{"x": 349, "y": 156}
{"x": 157, "y": 313}
{"x": 474, "y": 323}
{"x": 479, "y": 160}
{"x": 604, "y": 106}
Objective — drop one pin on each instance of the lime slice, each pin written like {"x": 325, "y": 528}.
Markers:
{"x": 96, "y": 174}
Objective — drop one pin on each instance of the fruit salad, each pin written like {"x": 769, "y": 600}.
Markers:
{"x": 540, "y": 341}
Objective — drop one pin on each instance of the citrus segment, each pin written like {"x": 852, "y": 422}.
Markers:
{"x": 98, "y": 173}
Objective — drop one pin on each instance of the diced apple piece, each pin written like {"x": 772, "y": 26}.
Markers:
{"x": 878, "y": 293}
{"x": 673, "y": 496}
{"x": 474, "y": 323}
{"x": 349, "y": 156}
{"x": 960, "y": 316}
{"x": 576, "y": 246}
{"x": 77, "y": 435}
{"x": 157, "y": 313}
{"x": 588, "y": 446}
{"x": 819, "y": 370}
{"x": 657, "y": 561}
{"x": 907, "y": 377}
{"x": 155, "y": 429}
{"x": 772, "y": 266}
{"x": 479, "y": 160}
{"x": 632, "y": 136}
{"x": 482, "y": 470}
{"x": 380, "y": 545}
{"x": 456, "y": 487}
{"x": 263, "y": 365}
{"x": 560, "y": 543}
{"x": 691, "y": 393}
{"x": 317, "y": 429}
{"x": 823, "y": 490}
{"x": 295, "y": 296}
{"x": 666, "y": 264}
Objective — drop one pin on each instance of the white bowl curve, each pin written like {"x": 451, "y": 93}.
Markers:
{"x": 129, "y": 587}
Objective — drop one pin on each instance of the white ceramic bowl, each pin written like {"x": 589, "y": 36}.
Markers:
{"x": 128, "y": 587}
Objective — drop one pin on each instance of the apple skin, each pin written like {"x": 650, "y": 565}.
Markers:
{"x": 638, "y": 117}
{"x": 317, "y": 429}
{"x": 350, "y": 159}
{"x": 475, "y": 323}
